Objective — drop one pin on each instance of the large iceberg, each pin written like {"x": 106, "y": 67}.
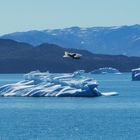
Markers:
{"x": 37, "y": 84}
{"x": 105, "y": 71}
{"x": 136, "y": 74}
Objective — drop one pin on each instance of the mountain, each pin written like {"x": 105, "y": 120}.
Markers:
{"x": 16, "y": 57}
{"x": 118, "y": 40}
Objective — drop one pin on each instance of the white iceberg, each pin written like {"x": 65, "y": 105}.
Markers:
{"x": 37, "y": 84}
{"x": 106, "y": 70}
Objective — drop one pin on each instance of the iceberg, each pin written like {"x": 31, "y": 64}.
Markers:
{"x": 136, "y": 74}
{"x": 38, "y": 84}
{"x": 106, "y": 70}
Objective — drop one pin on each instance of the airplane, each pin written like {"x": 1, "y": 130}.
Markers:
{"x": 72, "y": 55}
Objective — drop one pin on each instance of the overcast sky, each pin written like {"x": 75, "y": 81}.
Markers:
{"x": 23, "y": 15}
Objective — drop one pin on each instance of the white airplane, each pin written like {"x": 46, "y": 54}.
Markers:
{"x": 73, "y": 55}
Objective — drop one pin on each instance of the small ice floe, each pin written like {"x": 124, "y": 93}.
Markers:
{"x": 110, "y": 93}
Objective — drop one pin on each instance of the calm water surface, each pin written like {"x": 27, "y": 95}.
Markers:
{"x": 52, "y": 118}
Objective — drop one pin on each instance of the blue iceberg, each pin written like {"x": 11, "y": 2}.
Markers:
{"x": 136, "y": 74}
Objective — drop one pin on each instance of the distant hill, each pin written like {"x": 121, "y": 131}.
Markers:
{"x": 118, "y": 40}
{"x": 16, "y": 57}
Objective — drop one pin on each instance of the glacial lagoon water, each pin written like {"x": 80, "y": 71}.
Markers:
{"x": 73, "y": 118}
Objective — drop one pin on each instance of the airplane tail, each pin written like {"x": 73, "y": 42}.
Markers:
{"x": 66, "y": 54}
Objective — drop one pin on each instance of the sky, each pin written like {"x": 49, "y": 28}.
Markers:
{"x": 24, "y": 15}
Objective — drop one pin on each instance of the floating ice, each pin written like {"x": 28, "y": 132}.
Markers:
{"x": 105, "y": 71}
{"x": 109, "y": 93}
{"x": 136, "y": 74}
{"x": 39, "y": 84}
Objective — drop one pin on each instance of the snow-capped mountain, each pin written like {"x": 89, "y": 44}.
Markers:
{"x": 105, "y": 40}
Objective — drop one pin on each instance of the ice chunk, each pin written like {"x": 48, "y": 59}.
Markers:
{"x": 49, "y": 84}
{"x": 136, "y": 74}
{"x": 105, "y": 71}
